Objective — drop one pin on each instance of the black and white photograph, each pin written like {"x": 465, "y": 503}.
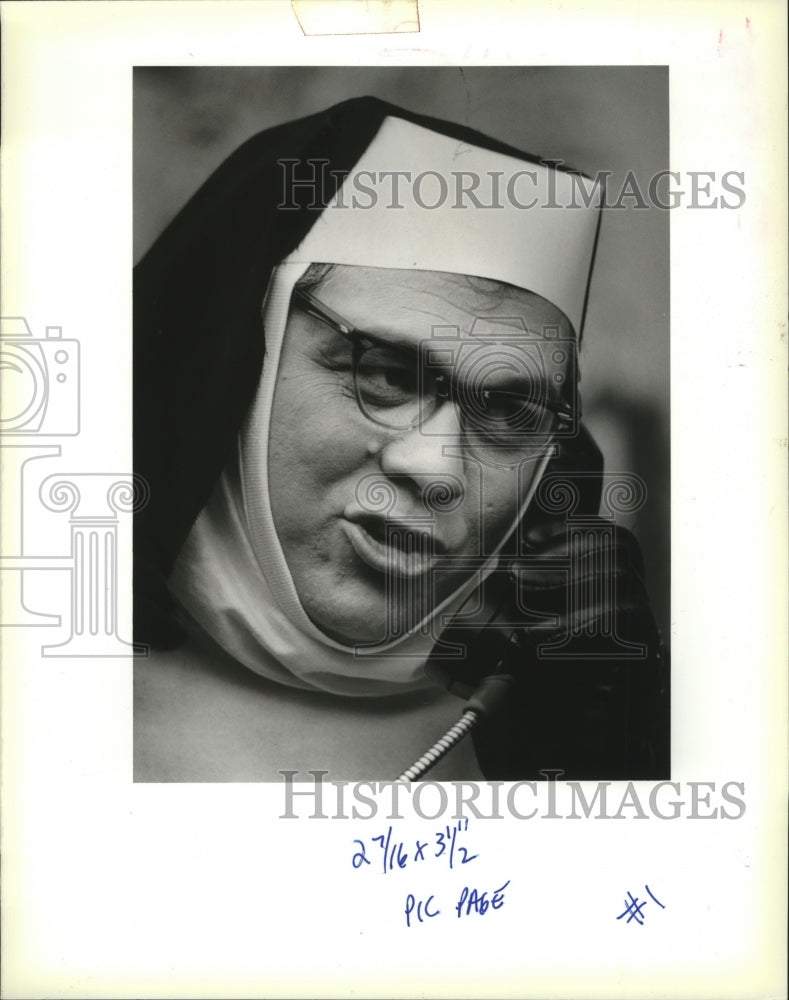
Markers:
{"x": 401, "y": 406}
{"x": 394, "y": 494}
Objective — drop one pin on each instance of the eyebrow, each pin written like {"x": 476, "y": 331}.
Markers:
{"x": 315, "y": 307}
{"x": 323, "y": 313}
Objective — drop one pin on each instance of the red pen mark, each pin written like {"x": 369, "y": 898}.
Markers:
{"x": 747, "y": 22}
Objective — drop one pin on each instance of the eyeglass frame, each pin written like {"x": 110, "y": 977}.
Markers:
{"x": 361, "y": 341}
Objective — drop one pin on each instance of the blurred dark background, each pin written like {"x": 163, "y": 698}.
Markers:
{"x": 187, "y": 120}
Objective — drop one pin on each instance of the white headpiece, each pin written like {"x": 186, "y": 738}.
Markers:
{"x": 536, "y": 227}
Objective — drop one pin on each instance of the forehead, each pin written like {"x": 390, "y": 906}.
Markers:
{"x": 411, "y": 304}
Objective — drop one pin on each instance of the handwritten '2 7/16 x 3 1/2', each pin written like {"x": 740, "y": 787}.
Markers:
{"x": 442, "y": 844}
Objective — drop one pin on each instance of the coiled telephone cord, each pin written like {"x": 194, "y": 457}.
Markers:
{"x": 484, "y": 702}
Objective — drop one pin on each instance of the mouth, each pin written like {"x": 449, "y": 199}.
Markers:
{"x": 391, "y": 547}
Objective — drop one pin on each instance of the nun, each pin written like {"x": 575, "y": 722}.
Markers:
{"x": 355, "y": 364}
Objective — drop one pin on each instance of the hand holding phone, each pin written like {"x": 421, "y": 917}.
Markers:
{"x": 567, "y": 617}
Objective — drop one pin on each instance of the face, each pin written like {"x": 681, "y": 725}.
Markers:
{"x": 380, "y": 516}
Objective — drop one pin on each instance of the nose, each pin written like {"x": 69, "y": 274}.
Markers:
{"x": 429, "y": 454}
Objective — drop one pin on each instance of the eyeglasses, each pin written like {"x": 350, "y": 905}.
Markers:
{"x": 401, "y": 388}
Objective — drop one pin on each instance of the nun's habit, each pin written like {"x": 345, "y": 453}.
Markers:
{"x": 211, "y": 583}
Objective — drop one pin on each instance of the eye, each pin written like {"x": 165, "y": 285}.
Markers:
{"x": 500, "y": 407}
{"x": 387, "y": 377}
{"x": 498, "y": 412}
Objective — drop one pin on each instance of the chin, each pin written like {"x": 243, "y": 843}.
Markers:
{"x": 359, "y": 606}
{"x": 367, "y": 623}
{"x": 350, "y": 628}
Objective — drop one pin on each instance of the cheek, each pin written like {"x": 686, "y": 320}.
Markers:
{"x": 494, "y": 504}
{"x": 313, "y": 435}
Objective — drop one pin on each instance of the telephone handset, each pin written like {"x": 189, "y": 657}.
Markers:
{"x": 482, "y": 627}
{"x": 530, "y": 713}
